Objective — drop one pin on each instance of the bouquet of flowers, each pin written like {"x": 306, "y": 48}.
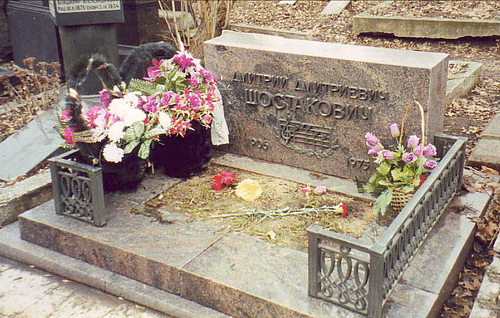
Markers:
{"x": 176, "y": 92}
{"x": 402, "y": 169}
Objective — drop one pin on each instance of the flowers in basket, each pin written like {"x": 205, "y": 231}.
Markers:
{"x": 401, "y": 170}
{"x": 176, "y": 92}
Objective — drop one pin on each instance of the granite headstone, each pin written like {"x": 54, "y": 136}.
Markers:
{"x": 309, "y": 104}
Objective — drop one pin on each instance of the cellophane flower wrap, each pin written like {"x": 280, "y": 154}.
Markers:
{"x": 404, "y": 167}
{"x": 176, "y": 92}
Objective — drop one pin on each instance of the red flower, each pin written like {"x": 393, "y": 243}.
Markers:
{"x": 345, "y": 211}
{"x": 223, "y": 178}
{"x": 422, "y": 179}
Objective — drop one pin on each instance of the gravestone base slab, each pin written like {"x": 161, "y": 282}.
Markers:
{"x": 237, "y": 275}
{"x": 424, "y": 27}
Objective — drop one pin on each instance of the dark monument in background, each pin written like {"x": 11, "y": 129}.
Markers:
{"x": 32, "y": 31}
{"x": 86, "y": 28}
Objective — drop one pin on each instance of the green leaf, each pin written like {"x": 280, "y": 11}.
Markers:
{"x": 384, "y": 168}
{"x": 138, "y": 127}
{"x": 408, "y": 189}
{"x": 134, "y": 132}
{"x": 130, "y": 146}
{"x": 145, "y": 148}
{"x": 397, "y": 174}
{"x": 382, "y": 202}
{"x": 154, "y": 132}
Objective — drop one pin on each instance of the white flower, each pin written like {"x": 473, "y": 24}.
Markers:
{"x": 131, "y": 99}
{"x": 116, "y": 131}
{"x": 165, "y": 120}
{"x": 99, "y": 134}
{"x": 133, "y": 115}
{"x": 112, "y": 153}
{"x": 118, "y": 107}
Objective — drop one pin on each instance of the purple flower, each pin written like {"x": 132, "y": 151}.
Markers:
{"x": 430, "y": 164}
{"x": 386, "y": 154}
{"x": 374, "y": 150}
{"x": 418, "y": 150}
{"x": 371, "y": 140}
{"x": 409, "y": 157}
{"x": 183, "y": 61}
{"x": 413, "y": 141}
{"x": 394, "y": 131}
{"x": 430, "y": 150}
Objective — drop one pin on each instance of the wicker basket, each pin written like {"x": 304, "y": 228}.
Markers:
{"x": 400, "y": 199}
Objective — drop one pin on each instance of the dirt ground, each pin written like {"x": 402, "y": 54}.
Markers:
{"x": 280, "y": 215}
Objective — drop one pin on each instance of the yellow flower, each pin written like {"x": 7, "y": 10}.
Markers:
{"x": 248, "y": 190}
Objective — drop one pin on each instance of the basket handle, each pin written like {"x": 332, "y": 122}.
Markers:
{"x": 407, "y": 111}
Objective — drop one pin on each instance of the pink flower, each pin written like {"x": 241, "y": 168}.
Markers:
{"x": 430, "y": 150}
{"x": 304, "y": 190}
{"x": 319, "y": 190}
{"x": 374, "y": 150}
{"x": 207, "y": 119}
{"x": 413, "y": 141}
{"x": 183, "y": 61}
{"x": 394, "y": 131}
{"x": 66, "y": 115}
{"x": 208, "y": 77}
{"x": 152, "y": 104}
{"x": 105, "y": 97}
{"x": 430, "y": 164}
{"x": 409, "y": 157}
{"x": 166, "y": 98}
{"x": 194, "y": 102}
{"x": 194, "y": 81}
{"x": 68, "y": 135}
{"x": 371, "y": 140}
{"x": 154, "y": 71}
{"x": 386, "y": 154}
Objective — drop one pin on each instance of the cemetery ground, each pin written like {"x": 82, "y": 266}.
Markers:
{"x": 465, "y": 116}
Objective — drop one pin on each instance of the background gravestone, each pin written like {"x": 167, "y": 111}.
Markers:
{"x": 309, "y": 104}
{"x": 32, "y": 31}
{"x": 87, "y": 27}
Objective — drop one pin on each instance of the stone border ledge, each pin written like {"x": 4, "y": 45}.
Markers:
{"x": 460, "y": 84}
{"x": 24, "y": 195}
{"x": 290, "y": 34}
{"x": 485, "y": 152}
{"x": 435, "y": 28}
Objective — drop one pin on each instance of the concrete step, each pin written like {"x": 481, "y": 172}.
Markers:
{"x": 232, "y": 273}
